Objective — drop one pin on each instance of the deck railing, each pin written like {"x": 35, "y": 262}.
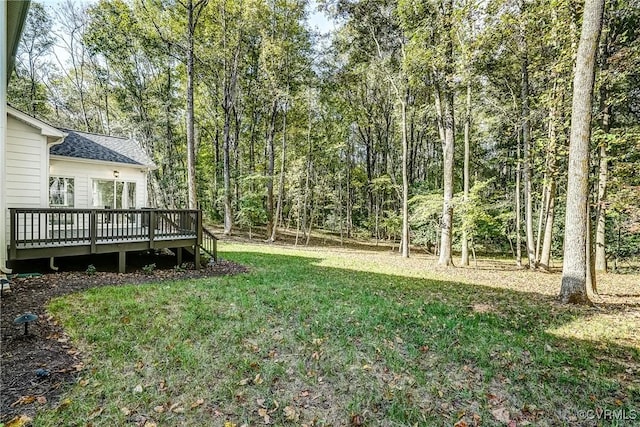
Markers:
{"x": 53, "y": 227}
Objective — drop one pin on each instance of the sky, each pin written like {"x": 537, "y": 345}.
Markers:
{"x": 319, "y": 20}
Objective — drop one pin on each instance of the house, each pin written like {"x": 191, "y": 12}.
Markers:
{"x": 12, "y": 17}
{"x": 65, "y": 192}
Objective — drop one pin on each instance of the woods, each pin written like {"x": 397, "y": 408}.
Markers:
{"x": 453, "y": 127}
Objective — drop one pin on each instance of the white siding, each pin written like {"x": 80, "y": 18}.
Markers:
{"x": 26, "y": 166}
{"x": 84, "y": 172}
{"x": 26, "y": 174}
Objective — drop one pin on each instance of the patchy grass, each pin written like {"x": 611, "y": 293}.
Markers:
{"x": 346, "y": 337}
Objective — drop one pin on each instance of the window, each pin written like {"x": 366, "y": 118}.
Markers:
{"x": 61, "y": 192}
{"x": 112, "y": 194}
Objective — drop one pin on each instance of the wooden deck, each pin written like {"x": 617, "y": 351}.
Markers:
{"x": 52, "y": 232}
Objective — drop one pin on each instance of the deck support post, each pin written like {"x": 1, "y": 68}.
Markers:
{"x": 122, "y": 262}
{"x": 179, "y": 256}
{"x": 196, "y": 256}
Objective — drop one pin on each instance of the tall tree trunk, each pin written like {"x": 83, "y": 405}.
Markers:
{"x": 271, "y": 166}
{"x": 464, "y": 258}
{"x": 601, "y": 254}
{"x": 405, "y": 183}
{"x": 446, "y": 101}
{"x": 447, "y": 168}
{"x": 191, "y": 150}
{"x": 518, "y": 197}
{"x": 548, "y": 213}
{"x": 526, "y": 163}
{"x": 574, "y": 270}
{"x": 283, "y": 157}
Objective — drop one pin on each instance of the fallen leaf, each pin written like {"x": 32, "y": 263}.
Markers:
{"x": 137, "y": 389}
{"x": 159, "y": 409}
{"x": 357, "y": 420}
{"x": 19, "y": 421}
{"x": 501, "y": 414}
{"x": 230, "y": 424}
{"x": 291, "y": 414}
{"x": 178, "y": 410}
{"x": 258, "y": 379}
{"x": 461, "y": 423}
{"x": 150, "y": 424}
{"x": 125, "y": 411}
{"x": 41, "y": 400}
{"x": 197, "y": 403}
{"x": 96, "y": 412}
{"x": 24, "y": 400}
{"x": 262, "y": 412}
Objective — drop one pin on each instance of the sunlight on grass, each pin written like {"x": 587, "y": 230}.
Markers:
{"x": 619, "y": 328}
{"x": 320, "y": 337}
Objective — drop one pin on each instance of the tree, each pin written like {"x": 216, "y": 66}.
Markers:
{"x": 33, "y": 63}
{"x": 574, "y": 270}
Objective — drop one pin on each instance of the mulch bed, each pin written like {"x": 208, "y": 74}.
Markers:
{"x": 46, "y": 347}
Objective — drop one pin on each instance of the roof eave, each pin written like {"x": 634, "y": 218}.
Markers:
{"x": 17, "y": 11}
{"x": 52, "y": 134}
{"x": 103, "y": 162}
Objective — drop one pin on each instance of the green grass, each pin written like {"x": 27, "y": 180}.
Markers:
{"x": 322, "y": 338}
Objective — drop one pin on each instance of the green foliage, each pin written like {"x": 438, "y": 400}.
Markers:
{"x": 91, "y": 270}
{"x": 251, "y": 210}
{"x": 478, "y": 215}
{"x": 149, "y": 268}
{"x": 426, "y": 211}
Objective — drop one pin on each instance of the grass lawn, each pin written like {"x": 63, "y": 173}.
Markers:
{"x": 346, "y": 337}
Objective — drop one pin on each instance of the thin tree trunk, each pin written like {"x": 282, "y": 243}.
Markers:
{"x": 271, "y": 166}
{"x": 518, "y": 197}
{"x": 405, "y": 184}
{"x": 191, "y": 151}
{"x": 464, "y": 258}
{"x": 601, "y": 254}
{"x": 526, "y": 169}
{"x": 545, "y": 254}
{"x": 550, "y": 185}
{"x": 448, "y": 146}
{"x": 274, "y": 230}
{"x": 574, "y": 270}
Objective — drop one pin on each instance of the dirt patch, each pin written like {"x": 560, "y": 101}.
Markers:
{"x": 37, "y": 366}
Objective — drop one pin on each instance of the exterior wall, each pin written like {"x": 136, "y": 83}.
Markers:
{"x": 26, "y": 168}
{"x": 83, "y": 172}
{"x": 27, "y": 159}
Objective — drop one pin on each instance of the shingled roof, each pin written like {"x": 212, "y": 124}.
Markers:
{"x": 91, "y": 146}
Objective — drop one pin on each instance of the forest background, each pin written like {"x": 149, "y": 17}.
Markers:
{"x": 444, "y": 124}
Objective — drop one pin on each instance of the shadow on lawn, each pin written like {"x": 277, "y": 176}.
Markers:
{"x": 506, "y": 334}
{"x": 423, "y": 351}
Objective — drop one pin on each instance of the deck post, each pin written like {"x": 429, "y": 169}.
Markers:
{"x": 179, "y": 256}
{"x": 196, "y": 256}
{"x": 122, "y": 262}
{"x": 196, "y": 248}
{"x": 93, "y": 229}
{"x": 13, "y": 252}
{"x": 152, "y": 228}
